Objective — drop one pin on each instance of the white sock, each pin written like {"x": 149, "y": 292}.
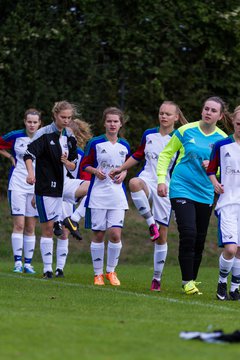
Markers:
{"x": 225, "y": 266}
{"x": 46, "y": 247}
{"x": 97, "y": 252}
{"x": 113, "y": 253}
{"x": 141, "y": 202}
{"x": 62, "y": 253}
{"x": 160, "y": 254}
{"x": 17, "y": 247}
{"x": 80, "y": 211}
{"x": 28, "y": 246}
{"x": 235, "y": 281}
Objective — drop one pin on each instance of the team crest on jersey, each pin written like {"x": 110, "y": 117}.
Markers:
{"x": 149, "y": 142}
{"x": 52, "y": 142}
{"x": 122, "y": 153}
{"x": 103, "y": 151}
{"x": 227, "y": 155}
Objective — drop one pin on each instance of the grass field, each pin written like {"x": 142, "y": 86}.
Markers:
{"x": 71, "y": 319}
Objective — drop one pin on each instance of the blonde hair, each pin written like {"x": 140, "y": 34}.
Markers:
{"x": 82, "y": 131}
{"x": 181, "y": 117}
{"x": 64, "y": 105}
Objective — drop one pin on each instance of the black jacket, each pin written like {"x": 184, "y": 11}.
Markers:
{"x": 46, "y": 150}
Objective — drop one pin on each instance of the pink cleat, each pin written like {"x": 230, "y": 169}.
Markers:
{"x": 154, "y": 233}
{"x": 156, "y": 285}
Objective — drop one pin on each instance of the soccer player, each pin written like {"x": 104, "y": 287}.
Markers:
{"x": 190, "y": 190}
{"x": 106, "y": 200}
{"x": 226, "y": 155}
{"x": 144, "y": 187}
{"x": 55, "y": 152}
{"x": 20, "y": 194}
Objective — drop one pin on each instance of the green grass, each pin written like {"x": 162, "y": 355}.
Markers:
{"x": 71, "y": 319}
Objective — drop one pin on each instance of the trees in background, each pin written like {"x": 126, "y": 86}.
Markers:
{"x": 132, "y": 54}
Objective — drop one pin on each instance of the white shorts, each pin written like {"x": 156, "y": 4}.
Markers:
{"x": 20, "y": 204}
{"x": 102, "y": 219}
{"x": 69, "y": 189}
{"x": 161, "y": 206}
{"x": 67, "y": 210}
{"x": 228, "y": 225}
{"x": 49, "y": 208}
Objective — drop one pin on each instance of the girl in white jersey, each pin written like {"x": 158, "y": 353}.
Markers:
{"x": 226, "y": 155}
{"x": 106, "y": 200}
{"x": 190, "y": 191}
{"x": 20, "y": 194}
{"x": 144, "y": 187}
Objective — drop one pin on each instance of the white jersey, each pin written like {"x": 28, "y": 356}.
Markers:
{"x": 226, "y": 154}
{"x": 101, "y": 153}
{"x": 152, "y": 144}
{"x": 17, "y": 141}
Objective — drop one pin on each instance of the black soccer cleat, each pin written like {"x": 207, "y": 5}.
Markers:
{"x": 48, "y": 275}
{"x": 73, "y": 227}
{"x": 234, "y": 295}
{"x": 57, "y": 228}
{"x": 222, "y": 291}
{"x": 59, "y": 273}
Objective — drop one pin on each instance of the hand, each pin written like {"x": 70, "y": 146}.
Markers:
{"x": 162, "y": 190}
{"x": 64, "y": 159}
{"x": 31, "y": 179}
{"x": 114, "y": 172}
{"x": 100, "y": 174}
{"x": 219, "y": 188}
{"x": 118, "y": 179}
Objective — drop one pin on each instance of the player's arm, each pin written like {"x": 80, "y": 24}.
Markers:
{"x": 164, "y": 160}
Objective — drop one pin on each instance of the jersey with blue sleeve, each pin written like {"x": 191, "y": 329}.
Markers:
{"x": 152, "y": 144}
{"x": 102, "y": 154}
{"x": 226, "y": 156}
{"x": 17, "y": 142}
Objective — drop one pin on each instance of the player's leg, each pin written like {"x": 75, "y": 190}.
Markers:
{"x": 73, "y": 192}
{"x": 17, "y": 242}
{"x": 161, "y": 209}
{"x": 98, "y": 220}
{"x": 29, "y": 241}
{"x": 17, "y": 203}
{"x": 203, "y": 214}
{"x": 139, "y": 195}
{"x": 29, "y": 237}
{"x": 49, "y": 208}
{"x": 228, "y": 239}
{"x": 63, "y": 242}
{"x": 235, "y": 280}
{"x": 115, "y": 221}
